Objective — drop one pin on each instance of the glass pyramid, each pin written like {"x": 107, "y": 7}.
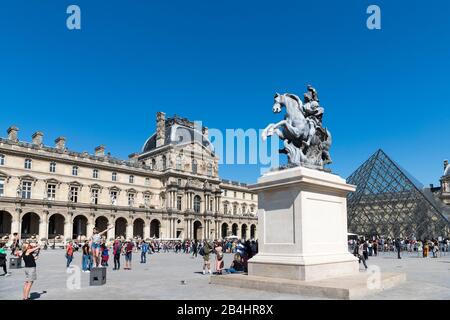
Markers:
{"x": 389, "y": 202}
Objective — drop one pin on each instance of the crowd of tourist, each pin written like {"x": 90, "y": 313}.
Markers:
{"x": 364, "y": 248}
{"x": 97, "y": 251}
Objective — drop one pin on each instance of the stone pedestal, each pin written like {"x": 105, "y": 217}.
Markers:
{"x": 302, "y": 222}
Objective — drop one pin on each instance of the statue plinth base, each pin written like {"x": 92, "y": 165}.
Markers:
{"x": 302, "y": 219}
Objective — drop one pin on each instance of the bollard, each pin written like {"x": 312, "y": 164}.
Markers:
{"x": 15, "y": 262}
{"x": 97, "y": 277}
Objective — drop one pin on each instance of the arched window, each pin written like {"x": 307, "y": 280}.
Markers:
{"x": 178, "y": 163}
{"x": 197, "y": 201}
{"x": 209, "y": 170}
{"x": 194, "y": 166}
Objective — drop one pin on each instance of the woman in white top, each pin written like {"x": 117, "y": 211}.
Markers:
{"x": 96, "y": 240}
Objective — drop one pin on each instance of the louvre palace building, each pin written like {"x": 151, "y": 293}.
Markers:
{"x": 171, "y": 189}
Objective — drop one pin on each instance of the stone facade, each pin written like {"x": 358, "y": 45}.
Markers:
{"x": 171, "y": 189}
{"x": 445, "y": 185}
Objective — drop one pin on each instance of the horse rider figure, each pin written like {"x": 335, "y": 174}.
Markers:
{"x": 312, "y": 109}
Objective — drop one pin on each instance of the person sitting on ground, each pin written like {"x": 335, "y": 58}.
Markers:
{"x": 237, "y": 265}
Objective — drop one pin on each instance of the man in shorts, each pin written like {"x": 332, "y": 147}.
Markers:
{"x": 128, "y": 254}
{"x": 207, "y": 248}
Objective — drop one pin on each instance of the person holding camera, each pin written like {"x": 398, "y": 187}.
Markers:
{"x": 30, "y": 253}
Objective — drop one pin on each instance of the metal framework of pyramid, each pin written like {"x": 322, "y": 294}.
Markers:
{"x": 389, "y": 202}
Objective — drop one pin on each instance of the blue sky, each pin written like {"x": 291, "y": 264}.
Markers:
{"x": 221, "y": 62}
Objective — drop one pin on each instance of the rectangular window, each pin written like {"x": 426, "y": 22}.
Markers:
{"x": 27, "y": 163}
{"x": 2, "y": 159}
{"x": 243, "y": 195}
{"x": 225, "y": 193}
{"x": 26, "y": 190}
{"x": 94, "y": 196}
{"x": 131, "y": 199}
{"x": 114, "y": 176}
{"x": 2, "y": 187}
{"x": 113, "y": 195}
{"x": 147, "y": 181}
{"x": 179, "y": 182}
{"x": 73, "y": 197}
{"x": 179, "y": 203}
{"x": 95, "y": 174}
{"x": 131, "y": 179}
{"x": 52, "y": 167}
{"x": 74, "y": 170}
{"x": 252, "y": 196}
{"x": 235, "y": 194}
{"x": 51, "y": 191}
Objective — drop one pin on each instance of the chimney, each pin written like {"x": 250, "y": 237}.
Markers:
{"x": 60, "y": 143}
{"x": 100, "y": 151}
{"x": 160, "y": 128}
{"x": 133, "y": 157}
{"x": 12, "y": 133}
{"x": 37, "y": 138}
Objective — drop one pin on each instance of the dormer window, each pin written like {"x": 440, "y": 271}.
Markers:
{"x": 28, "y": 163}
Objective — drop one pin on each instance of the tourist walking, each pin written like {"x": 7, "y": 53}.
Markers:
{"x": 86, "y": 257}
{"x": 69, "y": 254}
{"x": 128, "y": 254}
{"x": 3, "y": 260}
{"x": 194, "y": 248}
{"x": 398, "y": 247}
{"x": 360, "y": 253}
{"x": 117, "y": 249}
{"x": 219, "y": 258}
{"x": 144, "y": 249}
{"x": 205, "y": 251}
{"x": 30, "y": 267}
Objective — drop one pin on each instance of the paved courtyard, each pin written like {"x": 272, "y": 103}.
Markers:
{"x": 161, "y": 278}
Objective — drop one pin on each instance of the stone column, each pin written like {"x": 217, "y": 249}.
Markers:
{"x": 43, "y": 226}
{"x": 129, "y": 229}
{"x": 111, "y": 233}
{"x": 68, "y": 228}
{"x": 174, "y": 226}
{"x": 146, "y": 229}
{"x": 90, "y": 226}
{"x": 15, "y": 222}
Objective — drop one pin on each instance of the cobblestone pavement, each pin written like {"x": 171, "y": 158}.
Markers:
{"x": 161, "y": 278}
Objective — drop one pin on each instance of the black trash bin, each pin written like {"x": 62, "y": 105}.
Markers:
{"x": 15, "y": 262}
{"x": 97, "y": 277}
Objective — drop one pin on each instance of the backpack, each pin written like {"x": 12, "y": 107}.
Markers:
{"x": 202, "y": 251}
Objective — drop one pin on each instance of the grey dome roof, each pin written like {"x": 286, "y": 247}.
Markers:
{"x": 178, "y": 134}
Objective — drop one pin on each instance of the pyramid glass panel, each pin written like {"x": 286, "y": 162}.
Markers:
{"x": 389, "y": 202}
